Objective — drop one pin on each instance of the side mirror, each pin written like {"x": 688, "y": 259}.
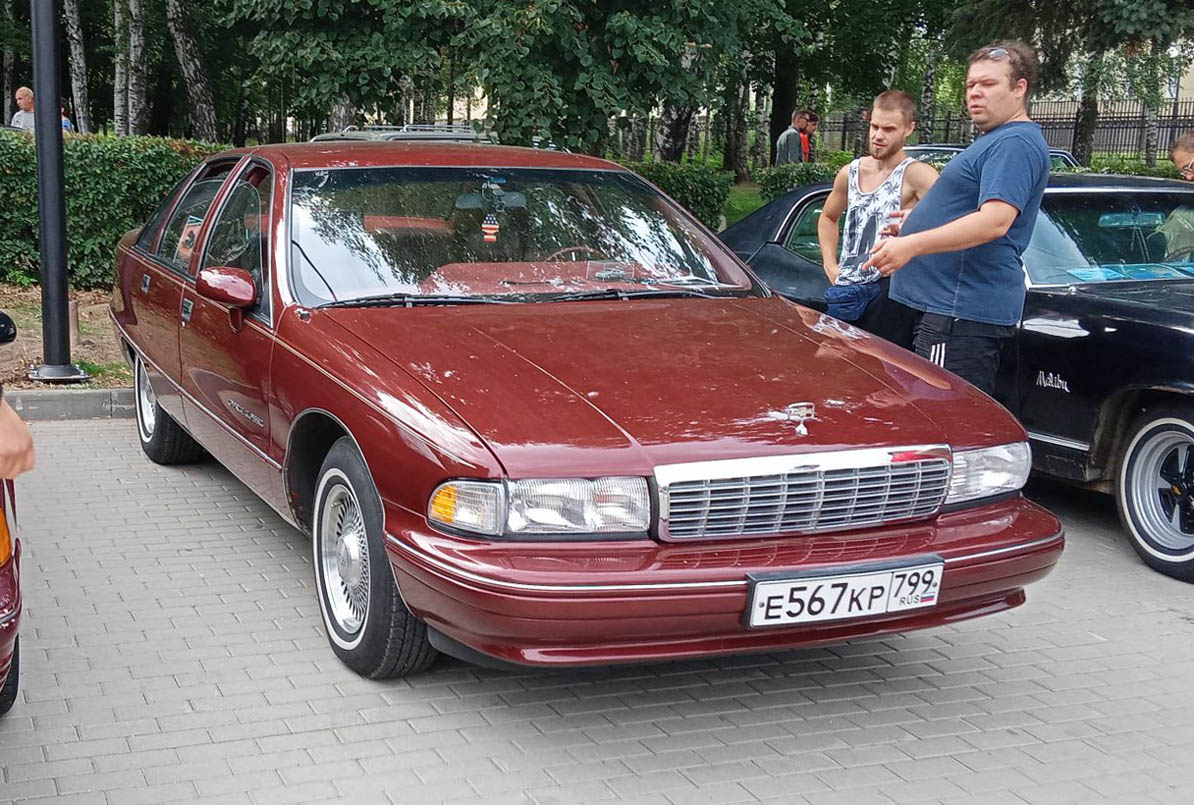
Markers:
{"x": 8, "y": 330}
{"x": 228, "y": 286}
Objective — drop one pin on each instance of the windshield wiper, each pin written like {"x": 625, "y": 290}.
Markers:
{"x": 411, "y": 300}
{"x": 618, "y": 293}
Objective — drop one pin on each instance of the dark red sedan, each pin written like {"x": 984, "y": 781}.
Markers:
{"x": 530, "y": 411}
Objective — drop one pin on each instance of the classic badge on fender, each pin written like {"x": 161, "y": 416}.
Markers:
{"x": 799, "y": 413}
{"x": 246, "y": 413}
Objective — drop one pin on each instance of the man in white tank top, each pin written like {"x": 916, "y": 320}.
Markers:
{"x": 872, "y": 192}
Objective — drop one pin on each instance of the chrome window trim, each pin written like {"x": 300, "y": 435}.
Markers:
{"x": 783, "y": 226}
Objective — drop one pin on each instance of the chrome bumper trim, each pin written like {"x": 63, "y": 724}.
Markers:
{"x": 679, "y": 585}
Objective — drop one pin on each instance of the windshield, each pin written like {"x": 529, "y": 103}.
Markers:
{"x": 1108, "y": 236}
{"x": 489, "y": 234}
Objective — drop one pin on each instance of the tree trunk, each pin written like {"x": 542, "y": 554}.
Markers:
{"x": 120, "y": 86}
{"x": 925, "y": 125}
{"x": 760, "y": 153}
{"x": 1087, "y": 120}
{"x": 199, "y": 98}
{"x": 6, "y": 69}
{"x": 78, "y": 65}
{"x": 737, "y": 99}
{"x": 341, "y": 117}
{"x": 137, "y": 69}
{"x": 783, "y": 95}
{"x": 672, "y": 132}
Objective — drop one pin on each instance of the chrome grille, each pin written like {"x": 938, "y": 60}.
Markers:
{"x": 806, "y": 498}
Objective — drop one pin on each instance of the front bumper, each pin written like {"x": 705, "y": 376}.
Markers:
{"x": 10, "y": 609}
{"x": 583, "y": 603}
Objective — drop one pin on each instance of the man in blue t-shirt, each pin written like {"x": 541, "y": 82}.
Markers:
{"x": 956, "y": 262}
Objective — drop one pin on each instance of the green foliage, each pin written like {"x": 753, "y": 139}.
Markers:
{"x": 1132, "y": 166}
{"x": 744, "y": 199}
{"x": 835, "y": 159}
{"x": 112, "y": 186}
{"x": 703, "y": 191}
{"x": 779, "y": 180}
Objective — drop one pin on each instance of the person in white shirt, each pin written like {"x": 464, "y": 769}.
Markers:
{"x": 871, "y": 192}
{"x": 23, "y": 119}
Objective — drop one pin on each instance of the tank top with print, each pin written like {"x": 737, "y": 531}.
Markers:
{"x": 866, "y": 215}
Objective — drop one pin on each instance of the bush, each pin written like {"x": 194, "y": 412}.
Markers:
{"x": 1132, "y": 166}
{"x": 836, "y": 159}
{"x": 112, "y": 185}
{"x": 702, "y": 190}
{"x": 774, "y": 182}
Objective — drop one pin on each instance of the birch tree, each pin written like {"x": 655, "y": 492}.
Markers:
{"x": 190, "y": 62}
{"x": 138, "y": 105}
{"x": 78, "y": 65}
{"x": 120, "y": 58}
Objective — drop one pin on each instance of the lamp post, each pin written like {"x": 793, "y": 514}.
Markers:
{"x": 51, "y": 199}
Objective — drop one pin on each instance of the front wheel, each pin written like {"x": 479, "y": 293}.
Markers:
{"x": 8, "y": 693}
{"x": 1154, "y": 490}
{"x": 367, "y": 623}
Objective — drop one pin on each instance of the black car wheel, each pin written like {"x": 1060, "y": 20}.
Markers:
{"x": 162, "y": 439}
{"x": 367, "y": 623}
{"x": 8, "y": 693}
{"x": 1154, "y": 489}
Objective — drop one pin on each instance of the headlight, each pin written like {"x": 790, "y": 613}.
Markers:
{"x": 988, "y": 471}
{"x": 544, "y": 507}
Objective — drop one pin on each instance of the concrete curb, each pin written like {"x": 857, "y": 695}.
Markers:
{"x": 42, "y": 404}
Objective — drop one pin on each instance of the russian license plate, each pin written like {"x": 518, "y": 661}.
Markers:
{"x": 849, "y": 594}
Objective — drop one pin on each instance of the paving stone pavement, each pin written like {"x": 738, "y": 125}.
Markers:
{"x": 172, "y": 650}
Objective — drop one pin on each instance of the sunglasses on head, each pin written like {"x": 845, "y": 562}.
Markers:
{"x": 995, "y": 54}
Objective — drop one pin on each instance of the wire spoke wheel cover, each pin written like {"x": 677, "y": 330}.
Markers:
{"x": 344, "y": 559}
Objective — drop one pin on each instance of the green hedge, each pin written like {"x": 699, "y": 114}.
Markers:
{"x": 700, "y": 189}
{"x": 112, "y": 185}
{"x": 1132, "y": 166}
{"x": 774, "y": 182}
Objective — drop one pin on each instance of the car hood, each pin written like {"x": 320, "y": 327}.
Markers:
{"x": 596, "y": 387}
{"x": 1168, "y": 296}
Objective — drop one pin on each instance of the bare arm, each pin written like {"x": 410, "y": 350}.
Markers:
{"x": 16, "y": 444}
{"x": 827, "y": 224}
{"x": 989, "y": 222}
{"x": 919, "y": 177}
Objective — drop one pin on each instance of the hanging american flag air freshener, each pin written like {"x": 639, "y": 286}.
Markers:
{"x": 490, "y": 227}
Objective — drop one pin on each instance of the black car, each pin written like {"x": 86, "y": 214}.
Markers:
{"x": 938, "y": 153}
{"x": 1101, "y": 371}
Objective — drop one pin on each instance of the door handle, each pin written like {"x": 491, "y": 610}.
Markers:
{"x": 187, "y": 306}
{"x": 144, "y": 283}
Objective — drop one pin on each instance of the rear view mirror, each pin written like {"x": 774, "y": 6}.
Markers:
{"x": 506, "y": 201}
{"x": 1131, "y": 220}
{"x": 8, "y": 330}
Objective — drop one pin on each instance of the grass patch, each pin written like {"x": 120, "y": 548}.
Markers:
{"x": 107, "y": 371}
{"x": 744, "y": 199}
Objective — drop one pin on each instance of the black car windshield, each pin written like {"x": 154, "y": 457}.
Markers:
{"x": 434, "y": 235}
{"x": 1108, "y": 236}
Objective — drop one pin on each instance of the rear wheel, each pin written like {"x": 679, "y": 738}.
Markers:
{"x": 1154, "y": 489}
{"x": 8, "y": 693}
{"x": 367, "y": 623}
{"x": 162, "y": 439}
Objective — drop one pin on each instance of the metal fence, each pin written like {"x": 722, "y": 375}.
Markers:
{"x": 1122, "y": 127}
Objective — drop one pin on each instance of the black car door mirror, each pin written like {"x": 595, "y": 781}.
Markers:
{"x": 8, "y": 330}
